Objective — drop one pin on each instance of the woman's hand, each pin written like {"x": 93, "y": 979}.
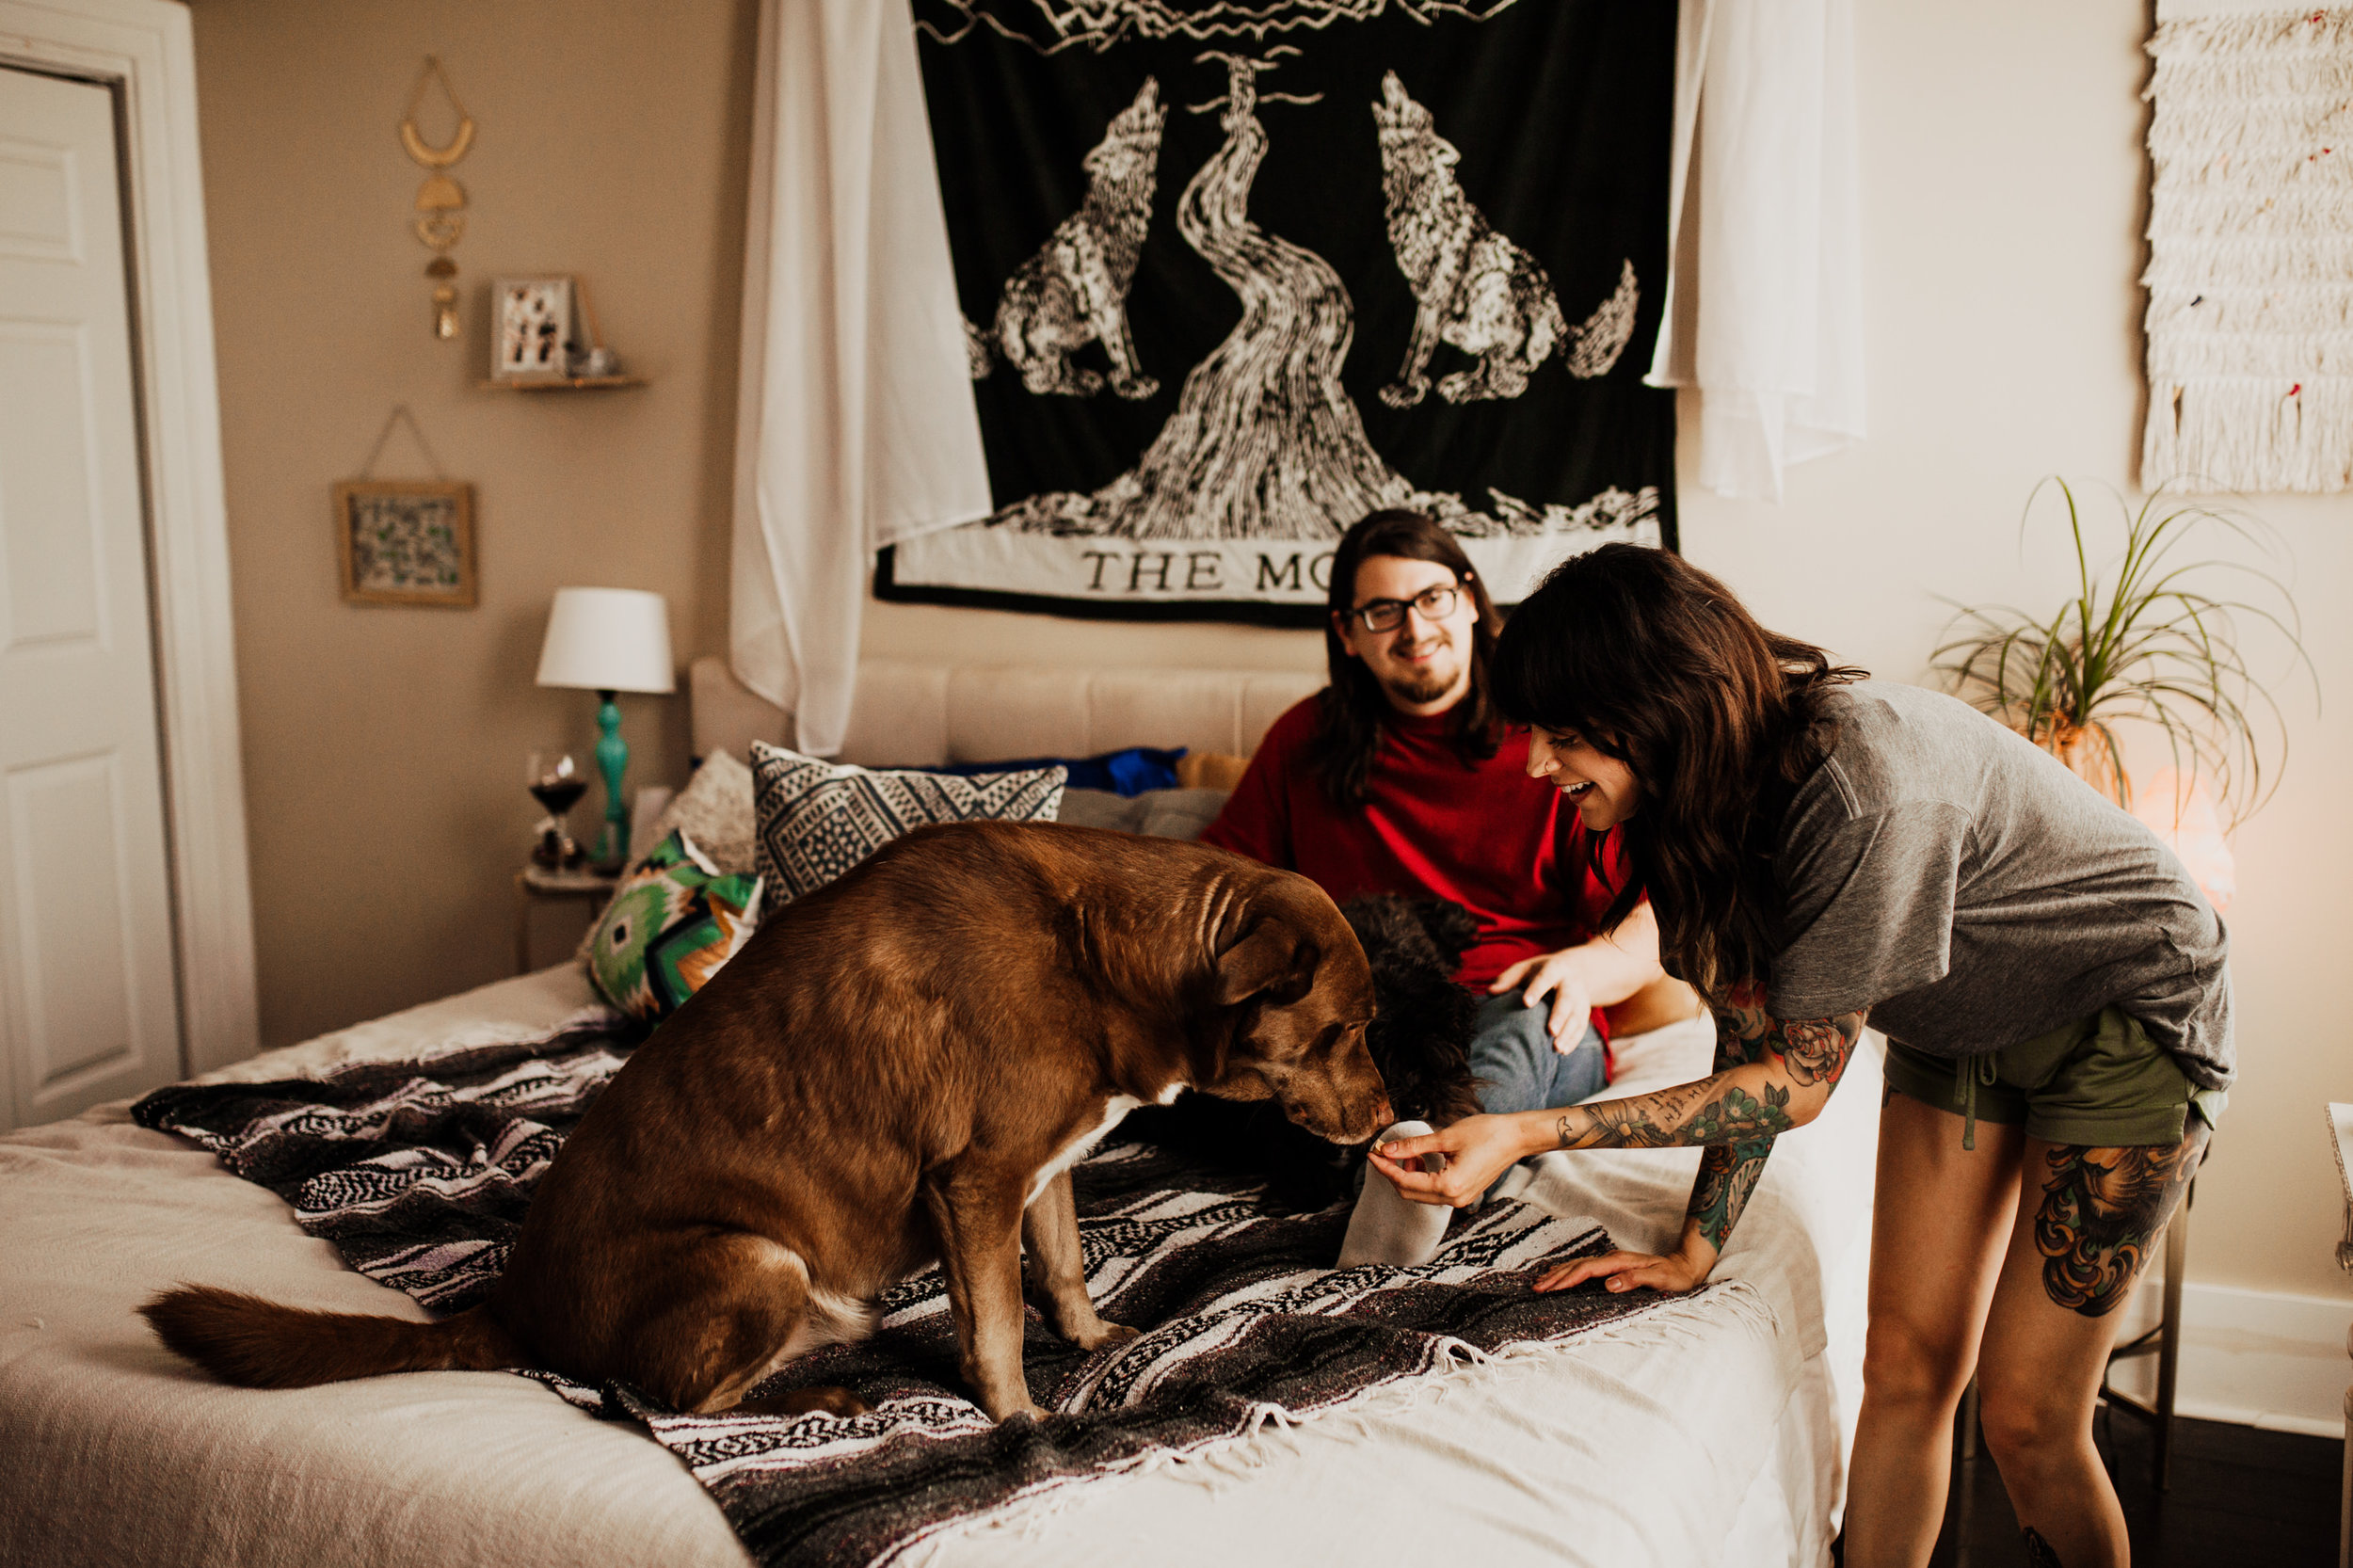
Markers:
{"x": 1561, "y": 975}
{"x": 1675, "y": 1274}
{"x": 1474, "y": 1151}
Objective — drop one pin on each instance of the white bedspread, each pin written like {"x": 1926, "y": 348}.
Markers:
{"x": 1709, "y": 1431}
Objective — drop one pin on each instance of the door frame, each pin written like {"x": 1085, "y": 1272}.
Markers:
{"x": 145, "y": 51}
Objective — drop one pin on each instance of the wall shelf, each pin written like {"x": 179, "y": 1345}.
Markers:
{"x": 565, "y": 383}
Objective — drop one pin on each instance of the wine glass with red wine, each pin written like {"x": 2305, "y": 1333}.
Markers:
{"x": 556, "y": 782}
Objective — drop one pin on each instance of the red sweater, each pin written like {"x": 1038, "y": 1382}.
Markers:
{"x": 1488, "y": 837}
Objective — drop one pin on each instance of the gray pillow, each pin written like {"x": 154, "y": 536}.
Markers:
{"x": 1102, "y": 808}
{"x": 1155, "y": 813}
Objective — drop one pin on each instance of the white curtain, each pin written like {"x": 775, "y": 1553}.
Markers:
{"x": 856, "y": 426}
{"x": 1765, "y": 295}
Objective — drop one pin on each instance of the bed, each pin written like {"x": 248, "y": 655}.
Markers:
{"x": 1710, "y": 1430}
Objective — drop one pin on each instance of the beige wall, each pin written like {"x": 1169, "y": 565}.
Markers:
{"x": 2004, "y": 187}
{"x": 2002, "y": 181}
{"x": 384, "y": 748}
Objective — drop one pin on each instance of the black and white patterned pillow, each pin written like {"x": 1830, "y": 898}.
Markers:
{"x": 817, "y": 819}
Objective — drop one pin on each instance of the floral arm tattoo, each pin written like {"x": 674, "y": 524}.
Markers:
{"x": 1761, "y": 1062}
{"x": 1728, "y": 1174}
{"x": 1728, "y": 1171}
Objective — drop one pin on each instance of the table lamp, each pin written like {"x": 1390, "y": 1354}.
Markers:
{"x": 607, "y": 641}
{"x": 2184, "y": 819}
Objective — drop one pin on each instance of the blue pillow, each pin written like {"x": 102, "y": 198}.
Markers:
{"x": 1121, "y": 773}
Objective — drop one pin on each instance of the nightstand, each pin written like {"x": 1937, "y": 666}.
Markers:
{"x": 535, "y": 884}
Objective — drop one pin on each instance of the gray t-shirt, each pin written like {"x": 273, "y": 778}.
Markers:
{"x": 1960, "y": 882}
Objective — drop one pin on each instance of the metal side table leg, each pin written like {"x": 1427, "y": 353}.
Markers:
{"x": 2165, "y": 1342}
{"x": 2169, "y": 1342}
{"x": 1962, "y": 1505}
{"x": 2345, "y": 1494}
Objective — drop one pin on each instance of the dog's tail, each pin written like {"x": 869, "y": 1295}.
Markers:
{"x": 257, "y": 1344}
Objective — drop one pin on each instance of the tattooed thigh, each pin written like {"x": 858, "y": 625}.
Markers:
{"x": 2102, "y": 1211}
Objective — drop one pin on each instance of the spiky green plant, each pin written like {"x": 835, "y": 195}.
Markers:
{"x": 2140, "y": 640}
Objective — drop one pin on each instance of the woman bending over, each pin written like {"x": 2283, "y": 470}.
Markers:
{"x": 1819, "y": 849}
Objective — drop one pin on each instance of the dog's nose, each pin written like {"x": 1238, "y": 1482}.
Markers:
{"x": 1383, "y": 1114}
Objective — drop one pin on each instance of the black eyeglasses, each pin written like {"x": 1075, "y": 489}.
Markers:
{"x": 1387, "y": 614}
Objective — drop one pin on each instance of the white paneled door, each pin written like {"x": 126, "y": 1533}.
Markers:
{"x": 88, "y": 1007}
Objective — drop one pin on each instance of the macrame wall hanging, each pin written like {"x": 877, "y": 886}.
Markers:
{"x": 2250, "y": 253}
{"x": 440, "y": 220}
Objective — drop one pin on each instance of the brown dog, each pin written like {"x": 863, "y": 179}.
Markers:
{"x": 900, "y": 1067}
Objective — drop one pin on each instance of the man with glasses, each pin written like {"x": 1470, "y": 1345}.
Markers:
{"x": 1397, "y": 777}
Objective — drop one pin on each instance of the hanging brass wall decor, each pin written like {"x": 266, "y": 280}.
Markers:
{"x": 440, "y": 201}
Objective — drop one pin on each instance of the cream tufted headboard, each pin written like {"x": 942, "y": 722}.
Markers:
{"x": 909, "y": 715}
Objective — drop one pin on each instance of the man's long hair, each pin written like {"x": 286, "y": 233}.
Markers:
{"x": 1655, "y": 662}
{"x": 1351, "y": 710}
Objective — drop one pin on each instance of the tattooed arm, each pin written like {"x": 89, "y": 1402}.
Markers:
{"x": 1771, "y": 1075}
{"x": 1813, "y": 1053}
{"x": 1728, "y": 1171}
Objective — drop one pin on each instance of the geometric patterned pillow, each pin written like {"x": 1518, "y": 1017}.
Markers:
{"x": 817, "y": 819}
{"x": 668, "y": 929}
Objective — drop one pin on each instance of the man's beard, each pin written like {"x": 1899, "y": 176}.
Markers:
{"x": 1429, "y": 686}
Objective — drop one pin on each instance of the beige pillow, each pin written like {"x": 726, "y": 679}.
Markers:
{"x": 715, "y": 808}
{"x": 1211, "y": 770}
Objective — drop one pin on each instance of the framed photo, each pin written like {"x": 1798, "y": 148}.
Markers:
{"x": 532, "y": 329}
{"x": 406, "y": 542}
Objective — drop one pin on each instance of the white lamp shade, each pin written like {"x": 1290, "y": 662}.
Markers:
{"x": 608, "y": 640}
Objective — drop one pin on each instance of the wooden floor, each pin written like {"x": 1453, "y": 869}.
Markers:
{"x": 2239, "y": 1496}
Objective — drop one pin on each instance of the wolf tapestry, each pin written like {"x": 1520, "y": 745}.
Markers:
{"x": 1236, "y": 275}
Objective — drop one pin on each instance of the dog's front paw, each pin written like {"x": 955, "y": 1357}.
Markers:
{"x": 1007, "y": 1412}
{"x": 1105, "y": 1334}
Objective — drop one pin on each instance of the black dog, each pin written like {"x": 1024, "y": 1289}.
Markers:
{"x": 1420, "y": 1039}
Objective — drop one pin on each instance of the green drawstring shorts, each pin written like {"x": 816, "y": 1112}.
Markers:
{"x": 2098, "y": 1083}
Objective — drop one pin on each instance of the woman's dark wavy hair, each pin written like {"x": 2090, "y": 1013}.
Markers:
{"x": 1351, "y": 710}
{"x": 1655, "y": 662}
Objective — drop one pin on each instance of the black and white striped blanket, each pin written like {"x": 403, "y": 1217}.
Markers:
{"x": 420, "y": 1173}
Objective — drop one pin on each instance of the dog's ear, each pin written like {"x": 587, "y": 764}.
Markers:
{"x": 1272, "y": 959}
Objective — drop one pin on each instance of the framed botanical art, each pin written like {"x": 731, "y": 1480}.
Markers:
{"x": 532, "y": 330}
{"x": 406, "y": 542}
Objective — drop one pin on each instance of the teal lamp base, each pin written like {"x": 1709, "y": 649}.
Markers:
{"x": 613, "y": 757}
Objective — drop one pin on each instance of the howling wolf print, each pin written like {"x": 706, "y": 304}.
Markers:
{"x": 1473, "y": 288}
{"x": 1074, "y": 291}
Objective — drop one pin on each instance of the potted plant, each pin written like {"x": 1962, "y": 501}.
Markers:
{"x": 2147, "y": 643}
